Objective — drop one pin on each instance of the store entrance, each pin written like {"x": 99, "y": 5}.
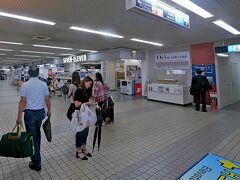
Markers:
{"x": 229, "y": 79}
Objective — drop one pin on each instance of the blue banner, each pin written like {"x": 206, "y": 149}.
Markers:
{"x": 213, "y": 167}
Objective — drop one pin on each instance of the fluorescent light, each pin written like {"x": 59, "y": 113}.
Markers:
{"x": 67, "y": 54}
{"x": 227, "y": 27}
{"x": 95, "y": 32}
{"x": 6, "y": 50}
{"x": 148, "y": 42}
{"x": 26, "y": 18}
{"x": 85, "y": 50}
{"x": 194, "y": 8}
{"x": 26, "y": 55}
{"x": 37, "y": 52}
{"x": 222, "y": 55}
{"x": 2, "y": 54}
{"x": 5, "y": 42}
{"x": 51, "y": 57}
{"x": 17, "y": 59}
{"x": 53, "y": 47}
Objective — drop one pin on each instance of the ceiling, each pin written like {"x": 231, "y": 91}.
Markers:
{"x": 110, "y": 16}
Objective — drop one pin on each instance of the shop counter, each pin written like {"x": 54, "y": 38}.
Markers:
{"x": 170, "y": 93}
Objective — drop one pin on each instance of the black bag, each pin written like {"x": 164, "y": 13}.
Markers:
{"x": 65, "y": 89}
{"x": 47, "y": 129}
{"x": 110, "y": 102}
{"x": 17, "y": 145}
{"x": 206, "y": 85}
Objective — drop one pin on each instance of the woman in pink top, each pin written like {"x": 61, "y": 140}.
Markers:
{"x": 72, "y": 88}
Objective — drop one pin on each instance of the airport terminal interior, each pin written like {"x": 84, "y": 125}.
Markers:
{"x": 148, "y": 53}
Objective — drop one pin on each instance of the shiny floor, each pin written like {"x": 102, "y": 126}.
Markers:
{"x": 149, "y": 140}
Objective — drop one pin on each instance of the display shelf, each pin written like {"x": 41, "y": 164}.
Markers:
{"x": 171, "y": 93}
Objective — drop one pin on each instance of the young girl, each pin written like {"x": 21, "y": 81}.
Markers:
{"x": 83, "y": 95}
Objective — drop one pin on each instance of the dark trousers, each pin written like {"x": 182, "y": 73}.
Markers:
{"x": 33, "y": 121}
{"x": 202, "y": 96}
{"x": 81, "y": 138}
{"x": 70, "y": 111}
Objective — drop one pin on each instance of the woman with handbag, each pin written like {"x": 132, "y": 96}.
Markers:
{"x": 72, "y": 88}
{"x": 100, "y": 94}
{"x": 82, "y": 96}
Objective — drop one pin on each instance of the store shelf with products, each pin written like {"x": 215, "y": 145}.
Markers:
{"x": 171, "y": 93}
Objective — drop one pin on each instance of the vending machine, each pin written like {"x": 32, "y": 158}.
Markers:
{"x": 127, "y": 87}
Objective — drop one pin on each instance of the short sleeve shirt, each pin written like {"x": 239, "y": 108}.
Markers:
{"x": 35, "y": 92}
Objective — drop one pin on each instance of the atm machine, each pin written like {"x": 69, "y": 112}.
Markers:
{"x": 127, "y": 87}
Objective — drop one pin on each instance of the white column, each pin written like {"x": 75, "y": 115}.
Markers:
{"x": 145, "y": 74}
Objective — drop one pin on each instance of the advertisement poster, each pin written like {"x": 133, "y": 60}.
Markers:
{"x": 173, "y": 61}
{"x": 208, "y": 70}
{"x": 160, "y": 9}
{"x": 213, "y": 167}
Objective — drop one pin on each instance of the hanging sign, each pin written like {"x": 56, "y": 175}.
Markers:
{"x": 160, "y": 9}
{"x": 74, "y": 59}
{"x": 170, "y": 61}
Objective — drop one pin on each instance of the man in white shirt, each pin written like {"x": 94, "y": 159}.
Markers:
{"x": 34, "y": 95}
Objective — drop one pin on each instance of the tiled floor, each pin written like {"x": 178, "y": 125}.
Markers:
{"x": 149, "y": 140}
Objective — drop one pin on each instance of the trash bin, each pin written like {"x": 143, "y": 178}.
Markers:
{"x": 138, "y": 87}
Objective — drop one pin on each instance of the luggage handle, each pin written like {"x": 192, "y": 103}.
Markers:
{"x": 19, "y": 130}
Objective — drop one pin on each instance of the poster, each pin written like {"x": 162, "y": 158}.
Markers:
{"x": 213, "y": 167}
{"x": 208, "y": 71}
{"x": 173, "y": 61}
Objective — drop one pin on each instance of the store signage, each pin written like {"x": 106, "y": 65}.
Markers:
{"x": 160, "y": 9}
{"x": 170, "y": 61}
{"x": 74, "y": 59}
{"x": 213, "y": 167}
{"x": 234, "y": 48}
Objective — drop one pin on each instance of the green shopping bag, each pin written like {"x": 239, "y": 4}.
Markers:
{"x": 17, "y": 145}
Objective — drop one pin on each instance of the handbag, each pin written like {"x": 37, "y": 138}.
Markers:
{"x": 47, "y": 129}
{"x": 110, "y": 101}
{"x": 17, "y": 144}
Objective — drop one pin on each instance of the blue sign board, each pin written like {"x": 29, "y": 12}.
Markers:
{"x": 160, "y": 9}
{"x": 234, "y": 48}
{"x": 208, "y": 71}
{"x": 213, "y": 167}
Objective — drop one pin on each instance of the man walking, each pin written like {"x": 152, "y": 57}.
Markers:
{"x": 200, "y": 85}
{"x": 34, "y": 95}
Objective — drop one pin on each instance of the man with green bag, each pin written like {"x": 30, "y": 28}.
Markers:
{"x": 34, "y": 95}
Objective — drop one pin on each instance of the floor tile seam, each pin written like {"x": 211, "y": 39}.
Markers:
{"x": 225, "y": 143}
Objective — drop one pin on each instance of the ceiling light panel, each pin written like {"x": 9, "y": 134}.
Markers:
{"x": 95, "y": 32}
{"x": 36, "y": 52}
{"x": 26, "y": 18}
{"x": 222, "y": 55}
{"x": 17, "y": 59}
{"x": 85, "y": 50}
{"x": 67, "y": 54}
{"x": 53, "y": 47}
{"x": 24, "y": 55}
{"x": 147, "y": 42}
{"x": 14, "y": 43}
{"x": 194, "y": 8}
{"x": 227, "y": 27}
{"x": 6, "y": 50}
